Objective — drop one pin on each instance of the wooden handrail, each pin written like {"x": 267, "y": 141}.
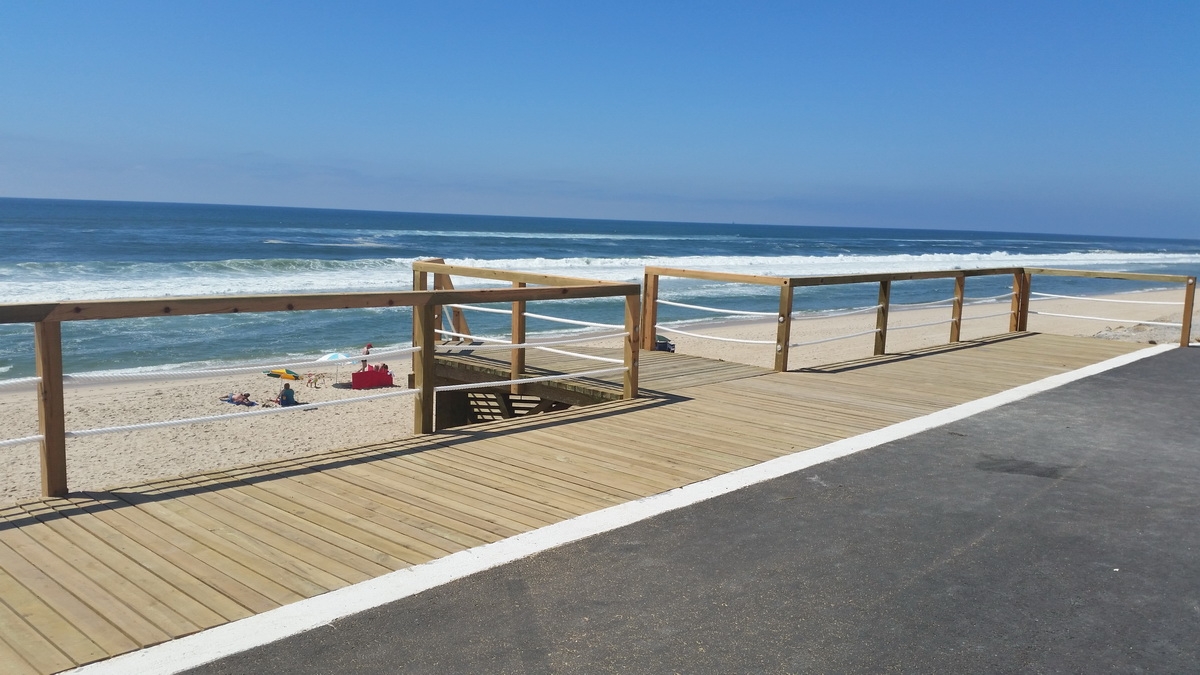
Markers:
{"x": 48, "y": 318}
{"x": 1018, "y": 322}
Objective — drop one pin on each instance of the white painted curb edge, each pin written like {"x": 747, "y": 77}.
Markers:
{"x": 227, "y": 639}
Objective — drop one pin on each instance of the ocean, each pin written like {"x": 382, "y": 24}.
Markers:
{"x": 57, "y": 250}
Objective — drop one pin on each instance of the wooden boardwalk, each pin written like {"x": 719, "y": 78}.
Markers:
{"x": 98, "y": 574}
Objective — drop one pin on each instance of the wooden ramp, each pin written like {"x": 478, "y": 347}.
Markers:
{"x": 98, "y": 574}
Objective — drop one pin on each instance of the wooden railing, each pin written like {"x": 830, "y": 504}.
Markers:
{"x": 442, "y": 280}
{"x": 1018, "y": 314}
{"x": 47, "y": 319}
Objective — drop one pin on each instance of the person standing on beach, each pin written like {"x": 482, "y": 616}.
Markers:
{"x": 366, "y": 350}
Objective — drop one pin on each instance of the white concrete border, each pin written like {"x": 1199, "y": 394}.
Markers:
{"x": 209, "y": 645}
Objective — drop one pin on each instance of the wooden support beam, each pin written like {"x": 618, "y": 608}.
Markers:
{"x": 1189, "y": 300}
{"x": 649, "y": 310}
{"x": 632, "y": 351}
{"x": 423, "y": 377}
{"x": 1018, "y": 320}
{"x": 960, "y": 289}
{"x": 47, "y": 340}
{"x": 881, "y": 317}
{"x": 518, "y": 338}
{"x": 783, "y": 333}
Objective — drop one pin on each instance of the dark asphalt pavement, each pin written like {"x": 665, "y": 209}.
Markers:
{"x": 1054, "y": 535}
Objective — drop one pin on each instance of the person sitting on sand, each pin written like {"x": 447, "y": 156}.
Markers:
{"x": 366, "y": 350}
{"x": 287, "y": 396}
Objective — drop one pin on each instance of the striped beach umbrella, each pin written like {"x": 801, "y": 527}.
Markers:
{"x": 282, "y": 373}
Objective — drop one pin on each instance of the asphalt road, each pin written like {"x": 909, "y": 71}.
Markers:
{"x": 1054, "y": 535}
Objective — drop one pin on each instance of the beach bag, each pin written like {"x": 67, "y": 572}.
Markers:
{"x": 662, "y": 344}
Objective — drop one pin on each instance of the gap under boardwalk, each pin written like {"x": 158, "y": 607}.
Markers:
{"x": 99, "y": 574}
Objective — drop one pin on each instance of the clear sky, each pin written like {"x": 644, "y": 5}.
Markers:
{"x": 1023, "y": 116}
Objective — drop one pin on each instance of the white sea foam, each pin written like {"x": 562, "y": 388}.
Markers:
{"x": 49, "y": 282}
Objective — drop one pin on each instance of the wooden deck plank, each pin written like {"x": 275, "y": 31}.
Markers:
{"x": 32, "y": 610}
{"x": 230, "y": 580}
{"x": 23, "y": 649}
{"x": 156, "y": 561}
{"x": 91, "y": 582}
{"x": 157, "y": 598}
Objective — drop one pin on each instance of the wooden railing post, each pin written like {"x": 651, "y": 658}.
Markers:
{"x": 783, "y": 335}
{"x": 423, "y": 364}
{"x": 960, "y": 289}
{"x": 649, "y": 310}
{"x": 881, "y": 317}
{"x": 1018, "y": 292}
{"x": 1189, "y": 299}
{"x": 420, "y": 283}
{"x": 458, "y": 319}
{"x": 632, "y": 317}
{"x": 518, "y": 337}
{"x": 1018, "y": 320}
{"x": 47, "y": 339}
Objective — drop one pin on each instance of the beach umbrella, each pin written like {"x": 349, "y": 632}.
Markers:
{"x": 337, "y": 367}
{"x": 282, "y": 373}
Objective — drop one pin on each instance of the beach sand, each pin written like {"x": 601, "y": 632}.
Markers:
{"x": 126, "y": 458}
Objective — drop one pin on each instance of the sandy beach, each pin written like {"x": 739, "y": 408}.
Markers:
{"x": 124, "y": 458}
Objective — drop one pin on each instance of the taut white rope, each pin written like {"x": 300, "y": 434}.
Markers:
{"x": 1100, "y": 318}
{"x": 860, "y": 310}
{"x": 990, "y": 297}
{"x": 840, "y": 337}
{"x": 987, "y": 316}
{"x": 716, "y": 310}
{"x": 494, "y": 343}
{"x": 239, "y": 415}
{"x": 605, "y": 359}
{"x": 923, "y": 304}
{"x": 210, "y": 372}
{"x": 1127, "y": 302}
{"x": 573, "y": 322}
{"x": 538, "y": 316}
{"x": 528, "y": 380}
{"x": 920, "y": 325}
{"x": 21, "y": 441}
{"x": 713, "y": 337}
{"x": 489, "y": 310}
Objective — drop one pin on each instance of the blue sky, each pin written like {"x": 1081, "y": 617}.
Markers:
{"x": 1019, "y": 116}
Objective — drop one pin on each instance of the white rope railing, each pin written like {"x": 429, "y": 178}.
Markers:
{"x": 21, "y": 441}
{"x": 831, "y": 339}
{"x": 564, "y": 352}
{"x": 529, "y": 380}
{"x": 19, "y": 382}
{"x": 931, "y": 303}
{"x": 540, "y": 346}
{"x": 1127, "y": 302}
{"x": 988, "y": 316}
{"x": 1100, "y": 318}
{"x": 831, "y": 315}
{"x": 236, "y": 415}
{"x": 714, "y": 337}
{"x": 486, "y": 310}
{"x": 716, "y": 310}
{"x": 921, "y": 325}
{"x": 531, "y": 315}
{"x": 1002, "y": 296}
{"x": 573, "y": 322}
{"x": 81, "y": 378}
